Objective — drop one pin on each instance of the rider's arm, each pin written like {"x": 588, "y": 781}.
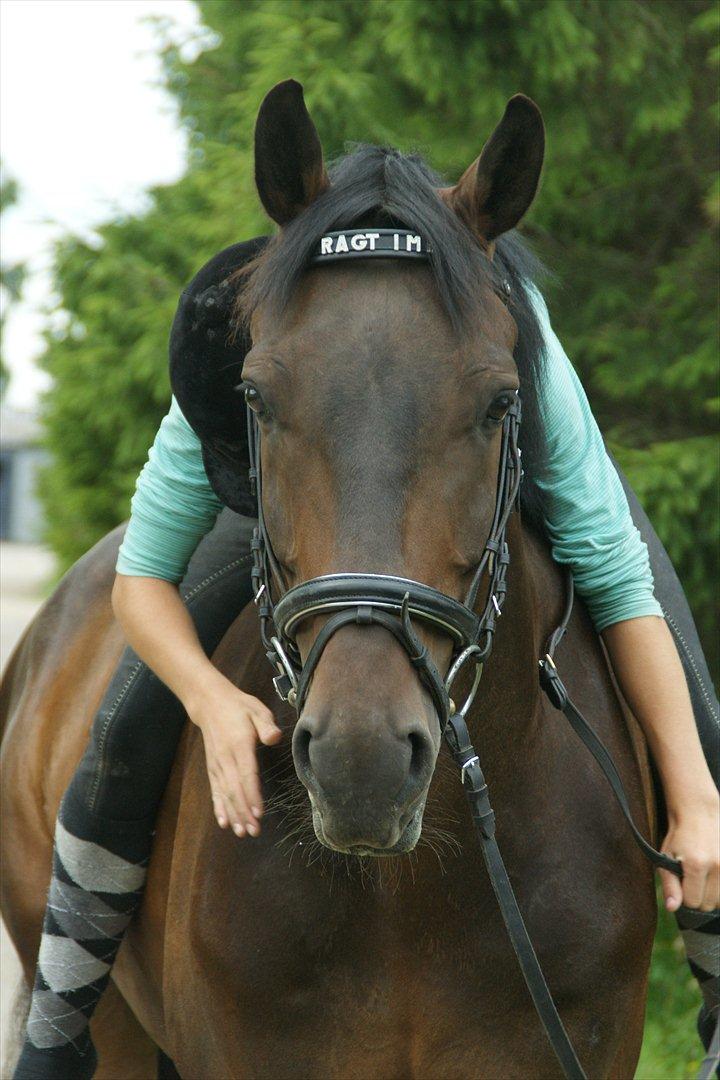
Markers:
{"x": 172, "y": 509}
{"x": 173, "y": 506}
{"x": 591, "y": 530}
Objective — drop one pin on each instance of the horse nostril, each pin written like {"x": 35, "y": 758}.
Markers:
{"x": 301, "y": 750}
{"x": 420, "y": 755}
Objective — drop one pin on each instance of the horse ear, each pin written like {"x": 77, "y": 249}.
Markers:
{"x": 496, "y": 191}
{"x": 289, "y": 169}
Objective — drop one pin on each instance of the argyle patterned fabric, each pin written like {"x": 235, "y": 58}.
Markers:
{"x": 93, "y": 895}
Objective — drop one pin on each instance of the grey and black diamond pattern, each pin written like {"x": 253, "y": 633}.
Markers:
{"x": 53, "y": 1021}
{"x": 82, "y": 934}
{"x": 94, "y": 868}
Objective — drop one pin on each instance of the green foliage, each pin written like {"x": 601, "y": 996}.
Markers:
{"x": 108, "y": 359}
{"x": 627, "y": 219}
{"x": 677, "y": 481}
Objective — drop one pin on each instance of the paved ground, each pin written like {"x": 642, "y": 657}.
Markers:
{"x": 25, "y": 570}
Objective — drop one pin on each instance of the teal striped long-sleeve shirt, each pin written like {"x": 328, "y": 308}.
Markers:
{"x": 587, "y": 517}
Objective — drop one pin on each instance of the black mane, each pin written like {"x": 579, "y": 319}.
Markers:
{"x": 378, "y": 186}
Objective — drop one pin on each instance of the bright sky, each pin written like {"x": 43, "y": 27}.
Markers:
{"x": 85, "y": 129}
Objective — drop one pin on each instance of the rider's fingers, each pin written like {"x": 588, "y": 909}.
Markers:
{"x": 264, "y": 723}
{"x": 243, "y": 800}
{"x": 233, "y": 800}
{"x": 693, "y": 883}
{"x": 220, "y": 810}
{"x": 241, "y": 818}
{"x": 672, "y": 890}
{"x": 247, "y": 767}
{"x": 250, "y": 781}
{"x": 711, "y": 897}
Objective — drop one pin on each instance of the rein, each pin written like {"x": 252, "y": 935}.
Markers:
{"x": 393, "y": 603}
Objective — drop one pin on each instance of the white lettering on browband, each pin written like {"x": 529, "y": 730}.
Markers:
{"x": 339, "y": 245}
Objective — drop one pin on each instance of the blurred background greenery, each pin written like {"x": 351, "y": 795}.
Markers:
{"x": 626, "y": 218}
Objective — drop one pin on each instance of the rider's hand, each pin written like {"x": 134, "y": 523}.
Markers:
{"x": 693, "y": 837}
{"x": 231, "y": 723}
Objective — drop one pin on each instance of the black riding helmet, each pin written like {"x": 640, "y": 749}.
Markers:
{"x": 206, "y": 358}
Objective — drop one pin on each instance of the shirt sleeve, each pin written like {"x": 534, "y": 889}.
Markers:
{"x": 587, "y": 515}
{"x": 173, "y": 507}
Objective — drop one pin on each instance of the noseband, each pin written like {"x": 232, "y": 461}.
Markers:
{"x": 397, "y": 603}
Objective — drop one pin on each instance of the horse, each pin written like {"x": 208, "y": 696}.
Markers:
{"x": 358, "y": 935}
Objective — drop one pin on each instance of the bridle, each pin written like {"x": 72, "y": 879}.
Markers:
{"x": 394, "y": 603}
{"x": 386, "y": 600}
{"x": 383, "y": 599}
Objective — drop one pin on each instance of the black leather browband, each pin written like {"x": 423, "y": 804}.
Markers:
{"x": 370, "y": 243}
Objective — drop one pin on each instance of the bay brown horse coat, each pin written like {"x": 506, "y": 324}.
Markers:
{"x": 290, "y": 955}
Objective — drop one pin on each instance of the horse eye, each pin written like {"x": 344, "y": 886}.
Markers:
{"x": 498, "y": 408}
{"x": 252, "y": 397}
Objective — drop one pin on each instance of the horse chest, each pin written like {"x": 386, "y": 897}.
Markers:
{"x": 296, "y": 976}
{"x": 285, "y": 967}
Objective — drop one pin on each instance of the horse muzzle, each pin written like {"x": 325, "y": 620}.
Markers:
{"x": 398, "y": 838}
{"x": 366, "y": 769}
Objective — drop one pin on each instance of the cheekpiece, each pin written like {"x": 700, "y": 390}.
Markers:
{"x": 370, "y": 243}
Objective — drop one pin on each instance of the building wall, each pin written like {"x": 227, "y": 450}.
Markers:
{"x": 21, "y": 517}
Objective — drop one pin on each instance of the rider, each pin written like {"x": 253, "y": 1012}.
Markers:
{"x": 187, "y": 564}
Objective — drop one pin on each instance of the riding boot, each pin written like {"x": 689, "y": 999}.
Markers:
{"x": 98, "y": 873}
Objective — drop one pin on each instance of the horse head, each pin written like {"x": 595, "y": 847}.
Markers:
{"x": 379, "y": 389}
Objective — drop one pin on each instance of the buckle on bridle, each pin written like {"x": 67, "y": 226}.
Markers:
{"x": 468, "y": 765}
{"x": 285, "y": 682}
{"x": 458, "y": 664}
{"x": 551, "y": 682}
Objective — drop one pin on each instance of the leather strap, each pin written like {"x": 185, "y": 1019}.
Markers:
{"x": 401, "y": 629}
{"x": 556, "y": 692}
{"x": 397, "y": 597}
{"x": 370, "y": 244}
{"x": 458, "y": 738}
{"x": 381, "y": 591}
